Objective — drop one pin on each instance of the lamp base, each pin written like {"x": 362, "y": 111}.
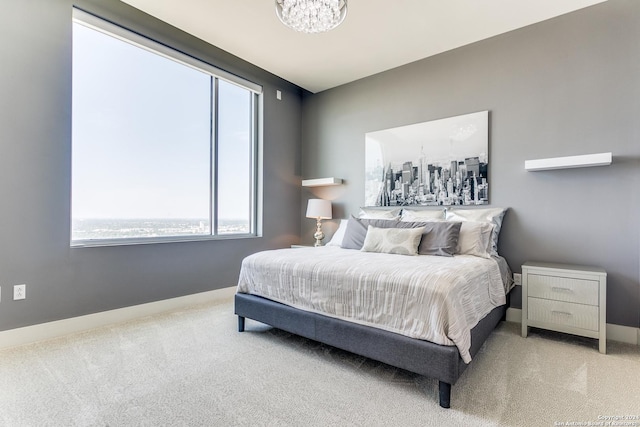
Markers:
{"x": 318, "y": 235}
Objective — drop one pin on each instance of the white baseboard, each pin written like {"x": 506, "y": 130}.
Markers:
{"x": 58, "y": 328}
{"x": 514, "y": 315}
{"x": 626, "y": 334}
{"x": 44, "y": 331}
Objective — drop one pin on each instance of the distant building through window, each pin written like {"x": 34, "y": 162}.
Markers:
{"x": 164, "y": 146}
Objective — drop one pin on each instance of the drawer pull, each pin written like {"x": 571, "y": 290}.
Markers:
{"x": 559, "y": 289}
{"x": 561, "y": 313}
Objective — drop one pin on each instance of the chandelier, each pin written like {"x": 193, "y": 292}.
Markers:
{"x": 311, "y": 16}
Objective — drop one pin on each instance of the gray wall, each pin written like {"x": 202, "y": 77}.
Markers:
{"x": 35, "y": 162}
{"x": 567, "y": 86}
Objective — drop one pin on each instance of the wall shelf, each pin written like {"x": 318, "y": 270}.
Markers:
{"x": 587, "y": 160}
{"x": 321, "y": 182}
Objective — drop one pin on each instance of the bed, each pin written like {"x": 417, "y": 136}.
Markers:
{"x": 426, "y": 314}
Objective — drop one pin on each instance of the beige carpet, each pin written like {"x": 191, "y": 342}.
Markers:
{"x": 191, "y": 368}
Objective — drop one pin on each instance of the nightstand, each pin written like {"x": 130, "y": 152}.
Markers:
{"x": 565, "y": 298}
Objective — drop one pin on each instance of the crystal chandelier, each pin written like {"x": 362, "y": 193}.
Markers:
{"x": 311, "y": 16}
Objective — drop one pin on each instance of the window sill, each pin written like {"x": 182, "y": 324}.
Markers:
{"x": 157, "y": 240}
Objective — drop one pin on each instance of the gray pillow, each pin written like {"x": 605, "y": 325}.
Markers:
{"x": 357, "y": 230}
{"x": 439, "y": 238}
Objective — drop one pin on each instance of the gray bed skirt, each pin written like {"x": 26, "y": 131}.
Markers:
{"x": 421, "y": 357}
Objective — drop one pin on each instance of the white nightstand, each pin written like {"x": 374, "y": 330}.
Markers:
{"x": 565, "y": 298}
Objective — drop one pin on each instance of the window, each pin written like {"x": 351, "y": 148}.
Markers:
{"x": 164, "y": 147}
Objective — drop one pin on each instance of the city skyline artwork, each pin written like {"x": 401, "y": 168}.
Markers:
{"x": 437, "y": 163}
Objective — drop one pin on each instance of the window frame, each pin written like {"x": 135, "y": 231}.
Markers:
{"x": 256, "y": 156}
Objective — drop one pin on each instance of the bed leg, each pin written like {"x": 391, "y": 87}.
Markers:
{"x": 240, "y": 324}
{"x": 445, "y": 394}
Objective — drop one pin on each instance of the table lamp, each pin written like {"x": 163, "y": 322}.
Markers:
{"x": 319, "y": 209}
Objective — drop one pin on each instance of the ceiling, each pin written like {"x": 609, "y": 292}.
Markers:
{"x": 376, "y": 36}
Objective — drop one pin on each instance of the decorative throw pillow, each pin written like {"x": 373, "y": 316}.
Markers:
{"x": 492, "y": 216}
{"x": 371, "y": 213}
{"x": 475, "y": 239}
{"x": 400, "y": 241}
{"x": 356, "y": 230}
{"x": 414, "y": 215}
{"x": 439, "y": 237}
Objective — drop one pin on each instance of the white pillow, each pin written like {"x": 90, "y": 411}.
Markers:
{"x": 369, "y": 213}
{"x": 419, "y": 215}
{"x": 336, "y": 239}
{"x": 400, "y": 241}
{"x": 492, "y": 216}
{"x": 475, "y": 239}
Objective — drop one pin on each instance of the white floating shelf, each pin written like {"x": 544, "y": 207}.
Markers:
{"x": 587, "y": 160}
{"x": 321, "y": 182}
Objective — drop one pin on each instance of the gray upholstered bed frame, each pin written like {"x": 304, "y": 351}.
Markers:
{"x": 421, "y": 357}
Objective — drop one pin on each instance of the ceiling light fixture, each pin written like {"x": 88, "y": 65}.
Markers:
{"x": 311, "y": 16}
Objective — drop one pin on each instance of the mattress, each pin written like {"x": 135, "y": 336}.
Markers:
{"x": 432, "y": 298}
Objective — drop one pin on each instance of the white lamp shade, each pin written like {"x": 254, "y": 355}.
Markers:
{"x": 318, "y": 208}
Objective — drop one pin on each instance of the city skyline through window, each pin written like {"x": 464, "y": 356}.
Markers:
{"x": 159, "y": 148}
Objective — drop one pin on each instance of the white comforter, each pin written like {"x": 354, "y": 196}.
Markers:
{"x": 433, "y": 298}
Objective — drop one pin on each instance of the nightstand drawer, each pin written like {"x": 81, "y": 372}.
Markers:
{"x": 563, "y": 313}
{"x": 563, "y": 289}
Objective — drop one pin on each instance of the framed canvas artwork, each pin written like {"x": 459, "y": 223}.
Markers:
{"x": 437, "y": 163}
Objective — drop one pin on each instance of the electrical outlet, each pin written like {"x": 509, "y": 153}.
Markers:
{"x": 19, "y": 292}
{"x": 517, "y": 279}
